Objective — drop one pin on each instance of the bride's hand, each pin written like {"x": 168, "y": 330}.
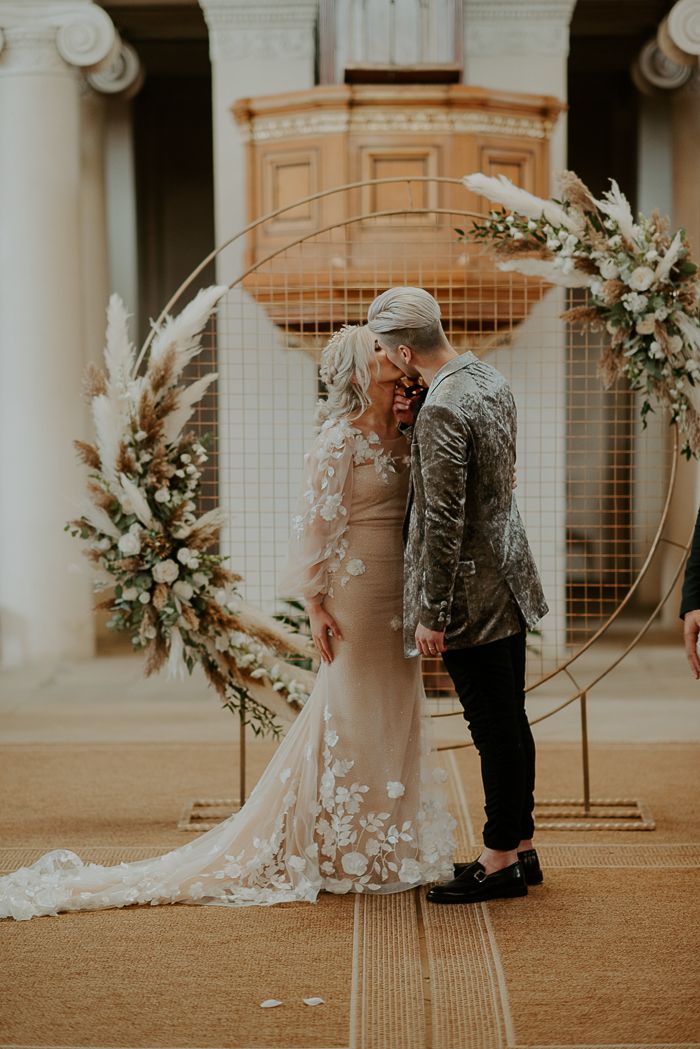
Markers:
{"x": 323, "y": 628}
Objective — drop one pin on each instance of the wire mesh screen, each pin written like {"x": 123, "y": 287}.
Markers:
{"x": 590, "y": 481}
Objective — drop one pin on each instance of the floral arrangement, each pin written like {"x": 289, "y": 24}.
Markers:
{"x": 170, "y": 591}
{"x": 642, "y": 286}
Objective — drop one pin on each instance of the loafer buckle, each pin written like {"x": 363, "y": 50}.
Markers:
{"x": 479, "y": 875}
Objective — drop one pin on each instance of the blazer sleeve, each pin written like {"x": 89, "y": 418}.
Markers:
{"x": 318, "y": 540}
{"x": 690, "y": 598}
{"x": 445, "y": 444}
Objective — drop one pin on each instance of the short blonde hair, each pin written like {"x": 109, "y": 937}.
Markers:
{"x": 346, "y": 371}
{"x": 409, "y": 317}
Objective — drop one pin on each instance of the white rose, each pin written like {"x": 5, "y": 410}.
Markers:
{"x": 609, "y": 269}
{"x": 410, "y": 871}
{"x": 395, "y": 789}
{"x": 103, "y": 544}
{"x": 183, "y": 589}
{"x": 129, "y": 544}
{"x": 199, "y": 579}
{"x": 185, "y": 457}
{"x": 675, "y": 343}
{"x": 641, "y": 278}
{"x": 355, "y": 863}
{"x": 162, "y": 495}
{"x": 635, "y": 302}
{"x": 184, "y": 554}
{"x": 145, "y": 597}
{"x": 655, "y": 350}
{"x": 130, "y": 593}
{"x": 165, "y": 571}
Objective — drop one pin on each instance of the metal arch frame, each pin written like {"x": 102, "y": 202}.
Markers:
{"x": 581, "y": 691}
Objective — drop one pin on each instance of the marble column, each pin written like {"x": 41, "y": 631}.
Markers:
{"x": 266, "y": 389}
{"x": 524, "y": 47}
{"x": 45, "y": 605}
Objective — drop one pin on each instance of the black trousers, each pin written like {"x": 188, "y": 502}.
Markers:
{"x": 490, "y": 683}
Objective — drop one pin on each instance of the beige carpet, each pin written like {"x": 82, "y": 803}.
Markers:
{"x": 603, "y": 954}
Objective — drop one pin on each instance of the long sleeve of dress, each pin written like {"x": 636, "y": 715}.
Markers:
{"x": 318, "y": 542}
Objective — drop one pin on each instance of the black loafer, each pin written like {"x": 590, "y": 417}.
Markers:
{"x": 474, "y": 885}
{"x": 529, "y": 862}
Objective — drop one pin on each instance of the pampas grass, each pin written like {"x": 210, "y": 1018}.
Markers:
{"x": 172, "y": 592}
{"x": 642, "y": 287}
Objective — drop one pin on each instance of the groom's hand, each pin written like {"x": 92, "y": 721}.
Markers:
{"x": 430, "y": 642}
{"x": 405, "y": 408}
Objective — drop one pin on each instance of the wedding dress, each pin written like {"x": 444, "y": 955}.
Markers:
{"x": 352, "y": 800}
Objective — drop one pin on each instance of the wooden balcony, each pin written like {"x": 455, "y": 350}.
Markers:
{"x": 325, "y": 254}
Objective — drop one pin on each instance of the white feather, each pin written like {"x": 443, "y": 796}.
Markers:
{"x": 119, "y": 353}
{"x": 616, "y": 206}
{"x": 189, "y": 396}
{"x": 131, "y": 496}
{"x": 182, "y": 333}
{"x": 688, "y": 328}
{"x": 512, "y": 197}
{"x": 109, "y": 426}
{"x": 99, "y": 519}
{"x": 666, "y": 264}
{"x": 215, "y": 517}
{"x": 545, "y": 269}
{"x": 176, "y": 664}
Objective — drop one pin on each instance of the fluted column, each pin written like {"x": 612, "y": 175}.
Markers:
{"x": 257, "y": 47}
{"x": 45, "y": 607}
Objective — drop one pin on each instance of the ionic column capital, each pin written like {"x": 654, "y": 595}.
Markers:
{"x": 654, "y": 71}
{"x": 50, "y": 36}
{"x": 123, "y": 76}
{"x": 682, "y": 26}
{"x": 261, "y": 29}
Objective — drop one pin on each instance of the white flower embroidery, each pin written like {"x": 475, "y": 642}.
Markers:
{"x": 356, "y": 567}
{"x": 410, "y": 871}
{"x": 395, "y": 789}
{"x": 354, "y": 863}
{"x": 396, "y": 623}
{"x": 296, "y": 863}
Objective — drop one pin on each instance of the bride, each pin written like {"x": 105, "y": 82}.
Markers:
{"x": 352, "y": 800}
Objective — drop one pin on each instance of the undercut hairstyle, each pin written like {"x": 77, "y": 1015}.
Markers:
{"x": 407, "y": 317}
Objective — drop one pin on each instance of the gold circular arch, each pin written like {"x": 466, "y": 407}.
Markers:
{"x": 568, "y": 667}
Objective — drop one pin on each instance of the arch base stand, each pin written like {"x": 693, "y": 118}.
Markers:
{"x": 596, "y": 814}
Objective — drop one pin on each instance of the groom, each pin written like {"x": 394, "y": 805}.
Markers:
{"x": 471, "y": 587}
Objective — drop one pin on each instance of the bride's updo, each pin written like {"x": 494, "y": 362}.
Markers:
{"x": 346, "y": 372}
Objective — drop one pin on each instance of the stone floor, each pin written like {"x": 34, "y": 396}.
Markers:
{"x": 650, "y": 696}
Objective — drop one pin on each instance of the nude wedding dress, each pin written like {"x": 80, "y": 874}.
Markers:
{"x": 352, "y": 800}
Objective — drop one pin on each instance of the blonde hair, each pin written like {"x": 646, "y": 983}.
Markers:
{"x": 346, "y": 372}
{"x": 409, "y": 317}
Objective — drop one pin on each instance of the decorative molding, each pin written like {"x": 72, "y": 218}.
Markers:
{"x": 683, "y": 24}
{"x": 261, "y": 44}
{"x": 507, "y": 27}
{"x": 558, "y": 11}
{"x": 654, "y": 69}
{"x": 398, "y": 121}
{"x": 38, "y": 37}
{"x": 123, "y": 76}
{"x": 240, "y": 29}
